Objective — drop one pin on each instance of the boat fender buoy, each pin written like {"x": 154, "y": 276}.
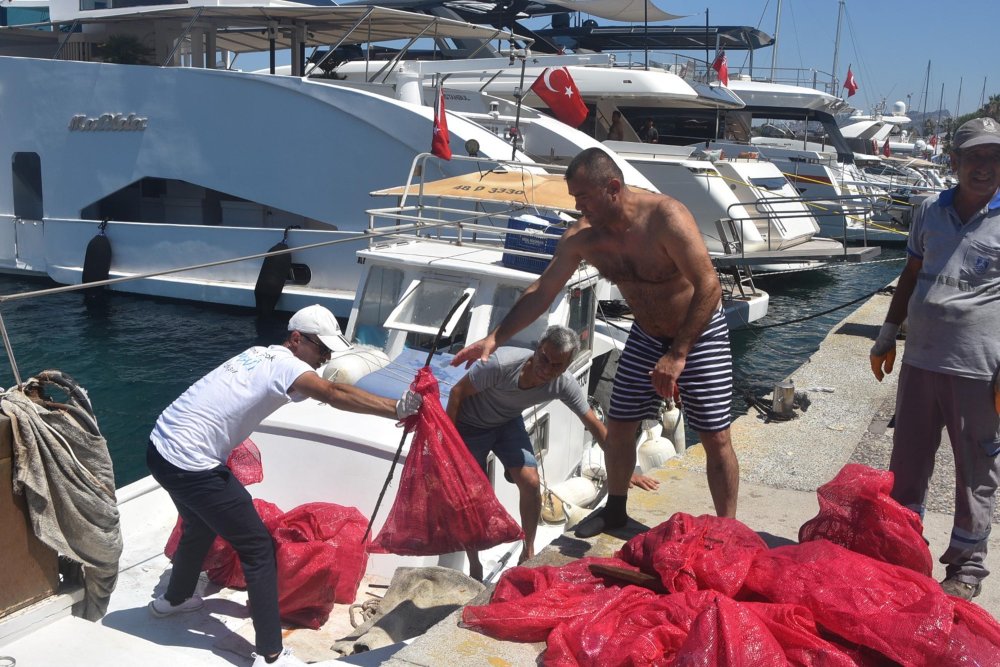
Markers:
{"x": 97, "y": 259}
{"x": 274, "y": 271}
{"x": 673, "y": 426}
{"x": 654, "y": 452}
{"x": 351, "y": 365}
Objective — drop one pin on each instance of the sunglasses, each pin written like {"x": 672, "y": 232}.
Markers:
{"x": 319, "y": 344}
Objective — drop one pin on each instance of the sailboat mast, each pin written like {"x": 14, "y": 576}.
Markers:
{"x": 958, "y": 101}
{"x": 774, "y": 46}
{"x": 927, "y": 85}
{"x": 937, "y": 124}
{"x": 836, "y": 50}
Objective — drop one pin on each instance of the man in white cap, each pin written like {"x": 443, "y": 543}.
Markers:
{"x": 194, "y": 436}
{"x": 950, "y": 291}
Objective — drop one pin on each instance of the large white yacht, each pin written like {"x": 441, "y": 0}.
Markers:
{"x": 180, "y": 160}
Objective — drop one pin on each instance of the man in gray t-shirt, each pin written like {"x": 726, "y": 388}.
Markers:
{"x": 486, "y": 407}
{"x": 949, "y": 291}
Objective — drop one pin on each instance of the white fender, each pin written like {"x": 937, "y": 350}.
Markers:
{"x": 673, "y": 426}
{"x": 576, "y": 491}
{"x": 654, "y": 452}
{"x": 351, "y": 365}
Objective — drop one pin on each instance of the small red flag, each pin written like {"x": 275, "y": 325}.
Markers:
{"x": 850, "y": 83}
{"x": 721, "y": 67}
{"x": 933, "y": 141}
{"x": 441, "y": 142}
{"x": 556, "y": 88}
{"x": 886, "y": 151}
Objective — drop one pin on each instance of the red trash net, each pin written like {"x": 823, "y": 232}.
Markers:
{"x": 444, "y": 503}
{"x": 732, "y": 601}
{"x": 320, "y": 556}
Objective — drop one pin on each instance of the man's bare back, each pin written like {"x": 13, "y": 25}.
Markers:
{"x": 633, "y": 254}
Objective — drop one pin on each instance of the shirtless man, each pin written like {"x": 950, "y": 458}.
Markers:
{"x": 650, "y": 247}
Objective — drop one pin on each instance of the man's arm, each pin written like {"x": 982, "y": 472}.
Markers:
{"x": 681, "y": 240}
{"x": 461, "y": 391}
{"x": 344, "y": 396}
{"x": 883, "y": 353}
{"x": 907, "y": 282}
{"x": 531, "y": 304}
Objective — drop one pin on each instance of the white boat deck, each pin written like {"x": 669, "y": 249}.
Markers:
{"x": 219, "y": 634}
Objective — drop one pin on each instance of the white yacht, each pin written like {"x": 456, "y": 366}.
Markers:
{"x": 192, "y": 162}
{"x": 743, "y": 206}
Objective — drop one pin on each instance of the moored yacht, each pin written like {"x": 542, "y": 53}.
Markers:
{"x": 192, "y": 163}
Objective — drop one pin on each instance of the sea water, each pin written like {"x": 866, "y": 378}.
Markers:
{"x": 136, "y": 354}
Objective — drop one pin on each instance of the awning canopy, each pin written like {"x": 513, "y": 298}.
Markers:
{"x": 512, "y": 188}
{"x": 658, "y": 38}
{"x": 248, "y": 28}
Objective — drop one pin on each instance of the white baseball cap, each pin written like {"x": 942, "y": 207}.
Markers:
{"x": 318, "y": 320}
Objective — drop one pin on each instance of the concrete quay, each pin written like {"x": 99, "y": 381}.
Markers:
{"x": 781, "y": 466}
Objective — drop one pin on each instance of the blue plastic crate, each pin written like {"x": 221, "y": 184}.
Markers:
{"x": 544, "y": 242}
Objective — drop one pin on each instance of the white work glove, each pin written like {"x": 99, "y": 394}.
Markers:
{"x": 408, "y": 404}
{"x": 883, "y": 352}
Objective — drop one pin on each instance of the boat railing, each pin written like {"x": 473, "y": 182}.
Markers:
{"x": 483, "y": 223}
{"x": 768, "y": 209}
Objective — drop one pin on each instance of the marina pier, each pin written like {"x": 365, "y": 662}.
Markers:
{"x": 781, "y": 465}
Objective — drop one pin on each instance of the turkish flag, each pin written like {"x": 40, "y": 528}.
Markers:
{"x": 850, "y": 83}
{"x": 933, "y": 141}
{"x": 886, "y": 151}
{"x": 556, "y": 88}
{"x": 441, "y": 142}
{"x": 721, "y": 67}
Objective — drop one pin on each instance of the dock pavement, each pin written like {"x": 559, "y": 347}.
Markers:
{"x": 781, "y": 466}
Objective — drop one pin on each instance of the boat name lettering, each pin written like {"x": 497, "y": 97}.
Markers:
{"x": 108, "y": 122}
{"x": 492, "y": 191}
{"x": 456, "y": 96}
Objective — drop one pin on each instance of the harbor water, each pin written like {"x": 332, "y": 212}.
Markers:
{"x": 134, "y": 354}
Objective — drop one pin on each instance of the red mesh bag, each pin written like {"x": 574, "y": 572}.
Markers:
{"x": 975, "y": 637}
{"x": 795, "y": 630}
{"x": 902, "y": 614}
{"x": 321, "y": 560}
{"x": 444, "y": 503}
{"x": 221, "y": 563}
{"x": 528, "y": 602}
{"x": 245, "y": 463}
{"x": 690, "y": 553}
{"x": 856, "y": 512}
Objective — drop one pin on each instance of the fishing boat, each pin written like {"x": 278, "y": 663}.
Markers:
{"x": 423, "y": 254}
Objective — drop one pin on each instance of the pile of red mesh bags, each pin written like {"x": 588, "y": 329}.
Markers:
{"x": 445, "y": 503}
{"x": 721, "y": 597}
{"x": 321, "y": 558}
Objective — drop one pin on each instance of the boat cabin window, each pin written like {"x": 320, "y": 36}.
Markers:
{"x": 503, "y": 300}
{"x": 381, "y": 292}
{"x": 88, "y": 5}
{"x": 423, "y": 309}
{"x": 539, "y": 435}
{"x": 582, "y": 309}
{"x": 26, "y": 170}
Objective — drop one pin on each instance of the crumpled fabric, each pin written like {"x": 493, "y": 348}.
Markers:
{"x": 63, "y": 468}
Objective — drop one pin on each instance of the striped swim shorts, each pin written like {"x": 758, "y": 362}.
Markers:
{"x": 705, "y": 384}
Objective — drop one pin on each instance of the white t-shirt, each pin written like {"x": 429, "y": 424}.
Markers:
{"x": 200, "y": 429}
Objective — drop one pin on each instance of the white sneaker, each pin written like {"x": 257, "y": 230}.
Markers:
{"x": 285, "y": 659}
{"x": 161, "y": 608}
